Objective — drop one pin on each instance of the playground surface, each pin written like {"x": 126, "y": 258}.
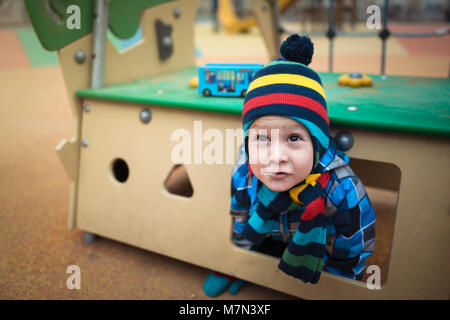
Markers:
{"x": 35, "y": 116}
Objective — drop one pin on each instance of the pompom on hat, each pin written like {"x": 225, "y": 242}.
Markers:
{"x": 288, "y": 87}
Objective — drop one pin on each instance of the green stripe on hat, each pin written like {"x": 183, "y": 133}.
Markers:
{"x": 276, "y": 62}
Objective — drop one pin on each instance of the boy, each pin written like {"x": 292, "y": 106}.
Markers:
{"x": 295, "y": 186}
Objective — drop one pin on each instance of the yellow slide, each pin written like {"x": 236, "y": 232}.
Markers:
{"x": 233, "y": 24}
{"x": 284, "y": 4}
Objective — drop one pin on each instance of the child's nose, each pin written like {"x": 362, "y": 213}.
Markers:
{"x": 278, "y": 153}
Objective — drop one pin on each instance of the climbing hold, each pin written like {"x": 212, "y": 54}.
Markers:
{"x": 355, "y": 79}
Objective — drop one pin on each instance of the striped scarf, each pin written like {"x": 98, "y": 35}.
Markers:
{"x": 303, "y": 257}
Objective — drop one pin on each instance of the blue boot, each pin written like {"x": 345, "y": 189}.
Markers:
{"x": 236, "y": 285}
{"x": 216, "y": 283}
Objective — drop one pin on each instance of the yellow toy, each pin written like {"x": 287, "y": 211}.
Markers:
{"x": 355, "y": 79}
{"x": 193, "y": 82}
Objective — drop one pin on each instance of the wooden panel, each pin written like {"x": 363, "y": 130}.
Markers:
{"x": 197, "y": 230}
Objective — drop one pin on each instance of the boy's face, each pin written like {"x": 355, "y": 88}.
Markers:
{"x": 281, "y": 152}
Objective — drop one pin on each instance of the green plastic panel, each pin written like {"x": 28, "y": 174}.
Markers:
{"x": 52, "y": 34}
{"x": 37, "y": 56}
{"x": 123, "y": 19}
{"x": 124, "y": 16}
{"x": 408, "y": 104}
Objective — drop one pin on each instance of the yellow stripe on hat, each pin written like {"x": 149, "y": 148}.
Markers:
{"x": 288, "y": 79}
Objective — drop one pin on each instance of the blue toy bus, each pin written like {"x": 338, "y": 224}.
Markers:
{"x": 223, "y": 79}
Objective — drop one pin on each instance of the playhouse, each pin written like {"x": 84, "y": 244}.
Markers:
{"x": 125, "y": 185}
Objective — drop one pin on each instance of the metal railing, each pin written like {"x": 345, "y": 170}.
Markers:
{"x": 384, "y": 34}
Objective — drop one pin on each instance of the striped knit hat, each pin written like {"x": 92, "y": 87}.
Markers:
{"x": 287, "y": 87}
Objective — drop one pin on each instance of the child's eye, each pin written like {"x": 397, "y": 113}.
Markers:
{"x": 295, "y": 138}
{"x": 262, "y": 138}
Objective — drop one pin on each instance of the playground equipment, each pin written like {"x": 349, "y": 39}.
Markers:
{"x": 267, "y": 14}
{"x": 233, "y": 24}
{"x": 230, "y": 21}
{"x": 125, "y": 184}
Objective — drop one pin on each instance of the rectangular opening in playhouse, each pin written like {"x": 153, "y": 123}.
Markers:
{"x": 382, "y": 182}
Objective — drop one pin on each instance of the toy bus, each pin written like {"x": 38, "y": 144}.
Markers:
{"x": 228, "y": 80}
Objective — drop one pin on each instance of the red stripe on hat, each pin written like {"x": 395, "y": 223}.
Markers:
{"x": 286, "y": 98}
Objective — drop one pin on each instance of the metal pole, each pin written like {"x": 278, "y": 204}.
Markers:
{"x": 330, "y": 56}
{"x": 276, "y": 18}
{"x": 99, "y": 43}
{"x": 331, "y": 34}
{"x": 383, "y": 39}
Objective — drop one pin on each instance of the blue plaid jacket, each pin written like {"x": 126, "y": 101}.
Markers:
{"x": 349, "y": 213}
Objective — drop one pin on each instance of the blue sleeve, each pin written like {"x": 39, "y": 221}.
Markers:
{"x": 240, "y": 198}
{"x": 350, "y": 230}
{"x": 240, "y": 204}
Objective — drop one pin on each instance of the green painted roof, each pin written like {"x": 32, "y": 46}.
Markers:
{"x": 123, "y": 19}
{"x": 408, "y": 104}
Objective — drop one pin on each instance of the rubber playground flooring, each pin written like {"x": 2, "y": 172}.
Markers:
{"x": 35, "y": 116}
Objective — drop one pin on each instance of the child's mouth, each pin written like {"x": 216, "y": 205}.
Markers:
{"x": 279, "y": 175}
